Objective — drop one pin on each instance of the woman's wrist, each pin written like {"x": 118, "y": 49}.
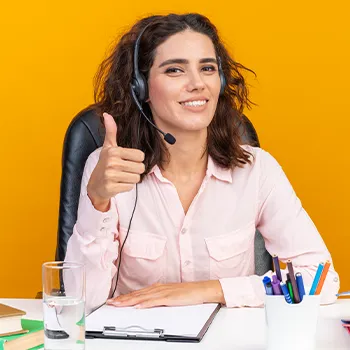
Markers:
{"x": 213, "y": 292}
{"x": 102, "y": 205}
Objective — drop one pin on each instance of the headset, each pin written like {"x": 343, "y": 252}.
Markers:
{"x": 139, "y": 93}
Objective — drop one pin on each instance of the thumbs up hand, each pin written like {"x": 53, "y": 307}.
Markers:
{"x": 111, "y": 131}
{"x": 118, "y": 169}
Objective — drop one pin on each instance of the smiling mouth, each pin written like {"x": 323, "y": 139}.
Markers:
{"x": 198, "y": 103}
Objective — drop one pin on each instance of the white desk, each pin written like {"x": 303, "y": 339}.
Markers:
{"x": 232, "y": 329}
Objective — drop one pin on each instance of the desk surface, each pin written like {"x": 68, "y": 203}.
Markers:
{"x": 231, "y": 329}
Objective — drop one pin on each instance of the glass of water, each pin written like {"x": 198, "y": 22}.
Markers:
{"x": 64, "y": 305}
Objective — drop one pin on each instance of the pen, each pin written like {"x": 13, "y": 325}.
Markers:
{"x": 289, "y": 286}
{"x": 268, "y": 286}
{"x": 276, "y": 263}
{"x": 316, "y": 279}
{"x": 323, "y": 277}
{"x": 276, "y": 285}
{"x": 300, "y": 284}
{"x": 286, "y": 293}
{"x": 293, "y": 282}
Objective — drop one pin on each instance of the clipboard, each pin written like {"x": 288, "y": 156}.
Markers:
{"x": 181, "y": 324}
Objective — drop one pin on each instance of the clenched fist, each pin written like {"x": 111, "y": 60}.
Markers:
{"x": 118, "y": 169}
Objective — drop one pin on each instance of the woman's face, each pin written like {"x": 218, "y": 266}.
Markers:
{"x": 184, "y": 83}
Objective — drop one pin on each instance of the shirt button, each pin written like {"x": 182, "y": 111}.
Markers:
{"x": 102, "y": 229}
{"x": 187, "y": 262}
{"x": 106, "y": 219}
{"x": 184, "y": 230}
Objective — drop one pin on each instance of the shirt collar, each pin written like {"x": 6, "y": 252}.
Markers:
{"x": 220, "y": 173}
{"x": 212, "y": 170}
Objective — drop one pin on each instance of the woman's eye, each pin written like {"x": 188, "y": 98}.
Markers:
{"x": 173, "y": 70}
{"x": 209, "y": 69}
{"x": 178, "y": 70}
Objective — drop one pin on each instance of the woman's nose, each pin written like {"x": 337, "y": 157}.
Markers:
{"x": 195, "y": 82}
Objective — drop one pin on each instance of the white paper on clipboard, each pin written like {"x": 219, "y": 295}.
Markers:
{"x": 173, "y": 320}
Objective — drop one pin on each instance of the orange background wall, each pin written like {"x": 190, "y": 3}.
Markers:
{"x": 50, "y": 52}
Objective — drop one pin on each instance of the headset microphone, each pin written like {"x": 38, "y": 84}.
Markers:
{"x": 167, "y": 137}
{"x": 139, "y": 88}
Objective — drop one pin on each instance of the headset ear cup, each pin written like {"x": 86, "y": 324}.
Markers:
{"x": 222, "y": 82}
{"x": 134, "y": 86}
{"x": 144, "y": 88}
{"x": 222, "y": 77}
{"x": 140, "y": 87}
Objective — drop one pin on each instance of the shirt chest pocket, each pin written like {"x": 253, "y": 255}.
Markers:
{"x": 231, "y": 253}
{"x": 143, "y": 260}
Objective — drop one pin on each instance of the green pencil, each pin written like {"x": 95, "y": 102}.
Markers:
{"x": 289, "y": 285}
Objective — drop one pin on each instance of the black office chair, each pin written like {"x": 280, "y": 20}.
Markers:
{"x": 86, "y": 133}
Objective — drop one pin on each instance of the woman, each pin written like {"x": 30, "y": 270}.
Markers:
{"x": 190, "y": 238}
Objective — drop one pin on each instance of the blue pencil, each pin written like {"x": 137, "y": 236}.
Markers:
{"x": 286, "y": 293}
{"x": 316, "y": 279}
{"x": 300, "y": 284}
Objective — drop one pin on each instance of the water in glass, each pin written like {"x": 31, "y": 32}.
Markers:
{"x": 64, "y": 323}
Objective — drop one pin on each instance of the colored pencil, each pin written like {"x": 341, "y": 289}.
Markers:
{"x": 323, "y": 277}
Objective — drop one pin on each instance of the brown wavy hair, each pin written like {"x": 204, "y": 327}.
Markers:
{"x": 112, "y": 92}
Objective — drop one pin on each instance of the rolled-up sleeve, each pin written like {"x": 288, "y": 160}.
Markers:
{"x": 94, "y": 242}
{"x": 288, "y": 232}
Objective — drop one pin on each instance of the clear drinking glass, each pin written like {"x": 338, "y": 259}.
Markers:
{"x": 64, "y": 305}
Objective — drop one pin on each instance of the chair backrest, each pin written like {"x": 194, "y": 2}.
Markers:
{"x": 86, "y": 133}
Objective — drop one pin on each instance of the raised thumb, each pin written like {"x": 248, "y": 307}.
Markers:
{"x": 111, "y": 131}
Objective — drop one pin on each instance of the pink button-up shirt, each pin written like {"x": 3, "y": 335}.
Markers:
{"x": 214, "y": 240}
